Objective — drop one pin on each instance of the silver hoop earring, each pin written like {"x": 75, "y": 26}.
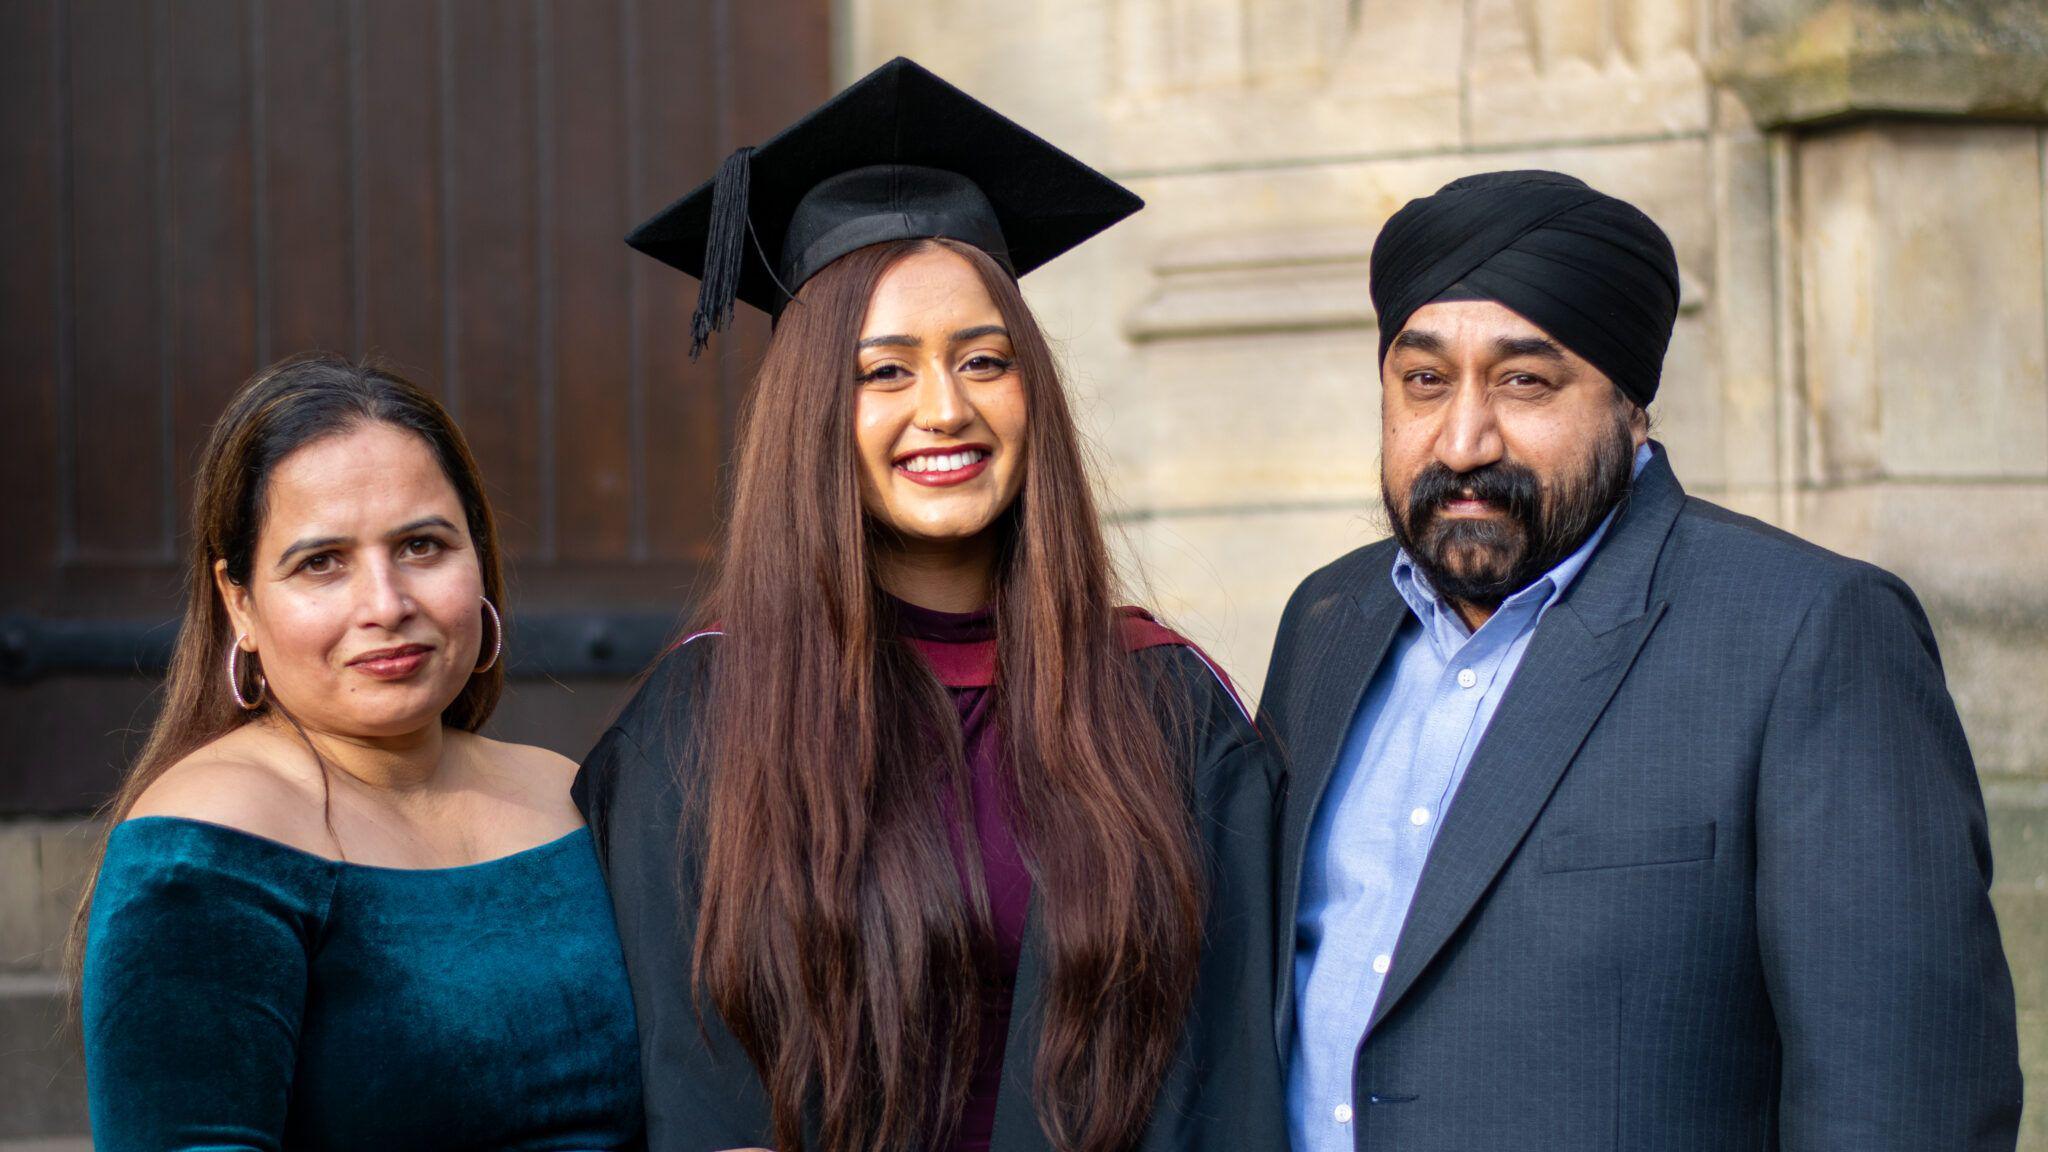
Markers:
{"x": 497, "y": 636}
{"x": 235, "y": 677}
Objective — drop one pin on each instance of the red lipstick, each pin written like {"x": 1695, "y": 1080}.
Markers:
{"x": 944, "y": 467}
{"x": 392, "y": 663}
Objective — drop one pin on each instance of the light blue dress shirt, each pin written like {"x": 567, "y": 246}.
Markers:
{"x": 1420, "y": 721}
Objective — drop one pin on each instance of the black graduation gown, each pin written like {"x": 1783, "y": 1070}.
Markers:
{"x": 1224, "y": 1090}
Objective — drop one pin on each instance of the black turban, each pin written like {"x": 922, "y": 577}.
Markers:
{"x": 1589, "y": 269}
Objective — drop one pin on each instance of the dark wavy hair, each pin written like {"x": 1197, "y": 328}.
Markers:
{"x": 835, "y": 937}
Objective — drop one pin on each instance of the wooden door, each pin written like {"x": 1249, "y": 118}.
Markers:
{"x": 192, "y": 189}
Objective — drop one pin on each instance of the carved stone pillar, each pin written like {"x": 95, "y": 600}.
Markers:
{"x": 1911, "y": 190}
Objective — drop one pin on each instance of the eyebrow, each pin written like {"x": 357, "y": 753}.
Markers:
{"x": 316, "y": 543}
{"x": 901, "y": 341}
{"x": 1428, "y": 343}
{"x": 416, "y": 525}
{"x": 1537, "y": 346}
{"x": 309, "y": 544}
{"x": 889, "y": 342}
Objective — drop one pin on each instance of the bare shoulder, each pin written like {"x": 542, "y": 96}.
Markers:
{"x": 529, "y": 769}
{"x": 250, "y": 780}
{"x": 546, "y": 764}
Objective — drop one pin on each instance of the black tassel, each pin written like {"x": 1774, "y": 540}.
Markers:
{"x": 725, "y": 249}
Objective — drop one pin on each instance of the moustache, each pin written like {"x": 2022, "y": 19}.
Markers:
{"x": 1511, "y": 487}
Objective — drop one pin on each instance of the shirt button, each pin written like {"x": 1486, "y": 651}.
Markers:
{"x": 1419, "y": 817}
{"x": 1467, "y": 678}
{"x": 1381, "y": 963}
{"x": 1343, "y": 1113}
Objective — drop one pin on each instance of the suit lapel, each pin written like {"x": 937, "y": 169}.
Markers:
{"x": 1576, "y": 660}
{"x": 1345, "y": 654}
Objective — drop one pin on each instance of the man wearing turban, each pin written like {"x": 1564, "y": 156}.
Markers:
{"x": 1616, "y": 820}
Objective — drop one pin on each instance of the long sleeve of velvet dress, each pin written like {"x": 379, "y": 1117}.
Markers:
{"x": 244, "y": 996}
{"x": 701, "y": 1093}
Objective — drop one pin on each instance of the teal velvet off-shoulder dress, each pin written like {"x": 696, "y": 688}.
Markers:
{"x": 240, "y": 994}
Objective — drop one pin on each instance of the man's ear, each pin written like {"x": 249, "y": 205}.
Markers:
{"x": 1638, "y": 417}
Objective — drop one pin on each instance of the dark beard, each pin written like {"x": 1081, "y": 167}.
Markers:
{"x": 1483, "y": 562}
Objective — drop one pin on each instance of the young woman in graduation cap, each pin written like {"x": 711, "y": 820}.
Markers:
{"x": 920, "y": 841}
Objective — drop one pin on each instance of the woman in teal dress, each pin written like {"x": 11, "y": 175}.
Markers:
{"x": 329, "y": 914}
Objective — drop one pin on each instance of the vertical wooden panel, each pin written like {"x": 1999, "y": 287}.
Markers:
{"x": 494, "y": 380}
{"x": 787, "y": 72}
{"x": 212, "y": 216}
{"x": 780, "y": 65}
{"x": 119, "y": 465}
{"x": 678, "y": 144}
{"x": 30, "y": 234}
{"x": 308, "y": 177}
{"x": 592, "y": 309}
{"x": 187, "y": 186}
{"x": 395, "y": 61}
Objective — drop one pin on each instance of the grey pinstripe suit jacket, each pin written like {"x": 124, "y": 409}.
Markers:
{"x": 1716, "y": 878}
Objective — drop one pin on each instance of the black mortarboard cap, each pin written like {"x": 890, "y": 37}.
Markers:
{"x": 899, "y": 155}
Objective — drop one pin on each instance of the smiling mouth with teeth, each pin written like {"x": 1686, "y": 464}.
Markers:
{"x": 939, "y": 463}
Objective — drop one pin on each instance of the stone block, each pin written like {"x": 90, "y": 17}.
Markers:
{"x": 2033, "y": 1060}
{"x": 1837, "y": 278}
{"x": 1731, "y": 115}
{"x": 1579, "y": 70}
{"x": 1802, "y": 62}
{"x": 1281, "y": 124}
{"x": 1962, "y": 256}
{"x": 1047, "y": 64}
{"x": 2023, "y": 926}
{"x": 41, "y": 870}
{"x": 69, "y": 849}
{"x": 1223, "y": 579}
{"x": 1926, "y": 329}
{"x": 42, "y": 865}
{"x": 42, "y": 1076}
{"x": 1996, "y": 658}
{"x": 2018, "y": 811}
{"x": 1740, "y": 366}
{"x": 1081, "y": 300}
{"x": 1264, "y": 420}
{"x": 1258, "y": 282}
{"x": 21, "y": 926}
{"x": 1218, "y": 83}
{"x": 1689, "y": 415}
{"x": 1260, "y": 352}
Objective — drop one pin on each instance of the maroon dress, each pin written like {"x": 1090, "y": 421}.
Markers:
{"x": 957, "y": 645}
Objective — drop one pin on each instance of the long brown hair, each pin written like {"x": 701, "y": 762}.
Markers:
{"x": 278, "y": 411}
{"x": 834, "y": 937}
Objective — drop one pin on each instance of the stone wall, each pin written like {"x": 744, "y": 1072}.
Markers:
{"x": 42, "y": 1082}
{"x": 1856, "y": 192}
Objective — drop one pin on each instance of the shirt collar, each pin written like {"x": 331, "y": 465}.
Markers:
{"x": 1432, "y": 609}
